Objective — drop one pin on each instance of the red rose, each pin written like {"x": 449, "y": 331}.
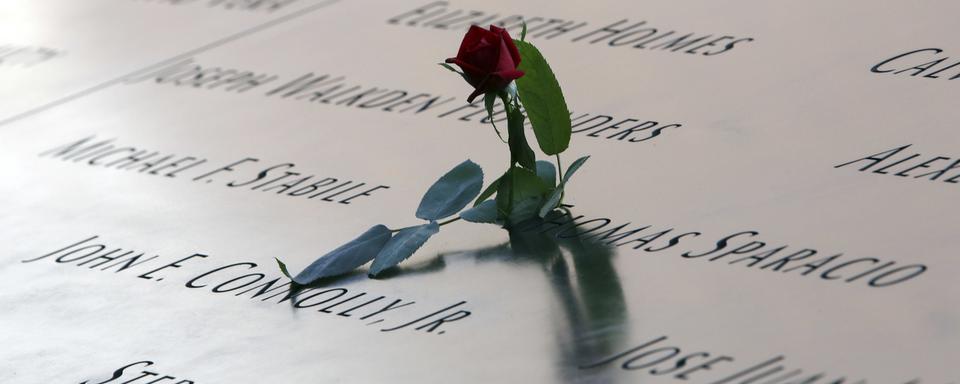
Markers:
{"x": 489, "y": 60}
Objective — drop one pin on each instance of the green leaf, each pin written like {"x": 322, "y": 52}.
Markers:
{"x": 485, "y": 212}
{"x": 523, "y": 32}
{"x": 518, "y": 185}
{"x": 449, "y": 67}
{"x": 547, "y": 173}
{"x": 403, "y": 245}
{"x": 524, "y": 209}
{"x": 453, "y": 191}
{"x": 489, "y": 99}
{"x": 347, "y": 257}
{"x": 520, "y": 151}
{"x": 454, "y": 70}
{"x": 543, "y": 99}
{"x": 491, "y": 189}
{"x": 283, "y": 268}
{"x": 573, "y": 168}
{"x": 554, "y": 200}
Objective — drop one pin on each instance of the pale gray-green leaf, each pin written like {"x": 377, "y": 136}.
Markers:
{"x": 485, "y": 212}
{"x": 403, "y": 245}
{"x": 453, "y": 191}
{"x": 547, "y": 172}
{"x": 491, "y": 189}
{"x": 347, "y": 257}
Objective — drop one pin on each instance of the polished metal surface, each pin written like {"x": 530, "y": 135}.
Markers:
{"x": 760, "y": 131}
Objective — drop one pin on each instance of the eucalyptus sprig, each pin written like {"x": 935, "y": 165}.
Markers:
{"x": 515, "y": 73}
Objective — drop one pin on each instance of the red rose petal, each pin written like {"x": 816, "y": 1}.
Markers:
{"x": 488, "y": 58}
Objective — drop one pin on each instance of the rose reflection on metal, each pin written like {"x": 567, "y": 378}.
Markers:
{"x": 592, "y": 322}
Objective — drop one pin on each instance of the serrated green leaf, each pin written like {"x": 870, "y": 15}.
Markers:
{"x": 547, "y": 172}
{"x": 347, "y": 257}
{"x": 543, "y": 99}
{"x": 402, "y": 245}
{"x": 554, "y": 198}
{"x": 485, "y": 212}
{"x": 520, "y": 151}
{"x": 453, "y": 191}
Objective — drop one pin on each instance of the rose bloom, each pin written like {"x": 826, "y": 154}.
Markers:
{"x": 489, "y": 60}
